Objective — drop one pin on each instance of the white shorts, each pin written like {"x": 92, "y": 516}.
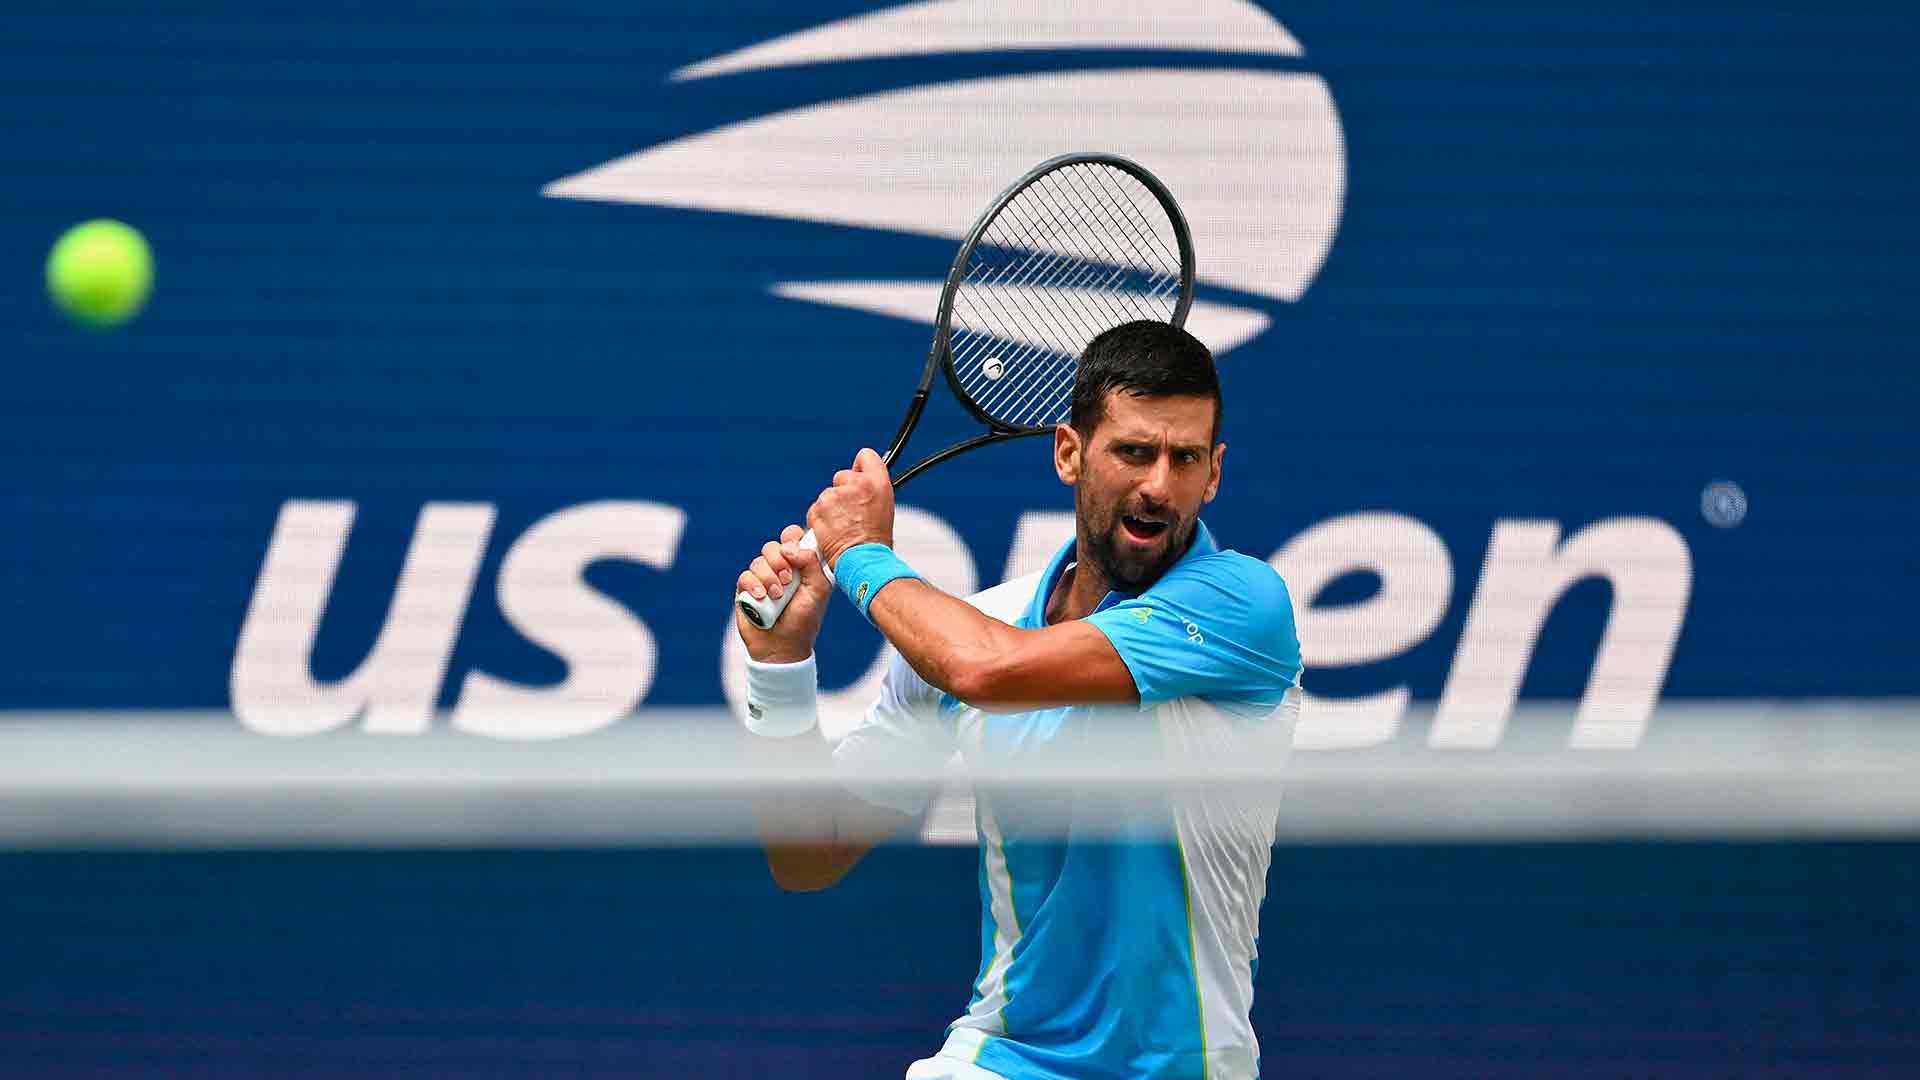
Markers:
{"x": 946, "y": 1068}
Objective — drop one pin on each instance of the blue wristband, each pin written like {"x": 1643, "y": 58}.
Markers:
{"x": 863, "y": 570}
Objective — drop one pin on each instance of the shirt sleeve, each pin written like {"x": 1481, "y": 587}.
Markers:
{"x": 895, "y": 753}
{"x": 1219, "y": 628}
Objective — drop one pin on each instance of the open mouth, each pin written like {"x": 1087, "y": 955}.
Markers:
{"x": 1142, "y": 530}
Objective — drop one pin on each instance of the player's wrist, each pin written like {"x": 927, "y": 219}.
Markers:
{"x": 830, "y": 557}
{"x": 782, "y": 697}
{"x": 864, "y": 569}
{"x": 796, "y": 652}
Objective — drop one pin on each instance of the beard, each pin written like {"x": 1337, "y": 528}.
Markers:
{"x": 1129, "y": 567}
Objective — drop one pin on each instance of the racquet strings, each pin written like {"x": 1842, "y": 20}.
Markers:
{"x": 1080, "y": 250}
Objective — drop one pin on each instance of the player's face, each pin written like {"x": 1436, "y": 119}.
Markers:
{"x": 1139, "y": 482}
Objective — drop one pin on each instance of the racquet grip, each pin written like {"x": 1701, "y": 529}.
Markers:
{"x": 764, "y": 612}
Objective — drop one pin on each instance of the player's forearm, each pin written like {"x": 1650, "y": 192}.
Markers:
{"x": 993, "y": 666}
{"x": 799, "y": 821}
{"x": 788, "y": 807}
{"x": 949, "y": 642}
{"x": 798, "y": 815}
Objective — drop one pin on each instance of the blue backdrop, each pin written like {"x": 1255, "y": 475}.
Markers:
{"x": 1586, "y": 262}
{"x": 1458, "y": 962}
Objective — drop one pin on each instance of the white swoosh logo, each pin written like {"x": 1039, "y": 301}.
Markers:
{"x": 1255, "y": 157}
{"x": 1228, "y": 26}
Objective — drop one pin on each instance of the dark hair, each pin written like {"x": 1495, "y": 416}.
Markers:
{"x": 1147, "y": 359}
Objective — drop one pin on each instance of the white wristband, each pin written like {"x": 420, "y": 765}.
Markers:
{"x": 781, "y": 698}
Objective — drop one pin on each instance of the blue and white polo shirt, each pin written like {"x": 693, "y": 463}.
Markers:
{"x": 1102, "y": 955}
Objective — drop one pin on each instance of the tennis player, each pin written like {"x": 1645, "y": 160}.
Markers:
{"x": 1109, "y": 948}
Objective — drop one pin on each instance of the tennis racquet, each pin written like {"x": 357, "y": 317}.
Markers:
{"x": 1080, "y": 244}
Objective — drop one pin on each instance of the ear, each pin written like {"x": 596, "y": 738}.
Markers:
{"x": 1213, "y": 482}
{"x": 1067, "y": 448}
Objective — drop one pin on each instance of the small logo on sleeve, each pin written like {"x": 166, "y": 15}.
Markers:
{"x": 1142, "y": 614}
{"x": 860, "y": 595}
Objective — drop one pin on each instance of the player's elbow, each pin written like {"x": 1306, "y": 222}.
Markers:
{"x": 806, "y": 868}
{"x": 974, "y": 678}
{"x": 991, "y": 682}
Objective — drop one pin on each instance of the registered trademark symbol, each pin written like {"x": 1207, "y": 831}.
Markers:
{"x": 1723, "y": 504}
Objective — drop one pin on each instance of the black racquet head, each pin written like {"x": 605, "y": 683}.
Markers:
{"x": 1080, "y": 244}
{"x": 1077, "y": 246}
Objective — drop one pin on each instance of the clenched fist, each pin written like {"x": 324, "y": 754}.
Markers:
{"x": 857, "y": 509}
{"x": 785, "y": 565}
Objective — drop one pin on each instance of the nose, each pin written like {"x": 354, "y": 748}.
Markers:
{"x": 1155, "y": 481}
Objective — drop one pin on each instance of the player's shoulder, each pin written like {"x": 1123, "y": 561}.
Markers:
{"x": 1231, "y": 574}
{"x": 1228, "y": 596}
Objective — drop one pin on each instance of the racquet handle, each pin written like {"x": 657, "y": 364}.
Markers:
{"x": 764, "y": 612}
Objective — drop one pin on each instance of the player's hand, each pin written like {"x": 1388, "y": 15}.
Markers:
{"x": 784, "y": 565}
{"x": 857, "y": 509}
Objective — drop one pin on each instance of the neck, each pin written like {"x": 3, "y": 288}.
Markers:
{"x": 1082, "y": 587}
{"x": 1079, "y": 590}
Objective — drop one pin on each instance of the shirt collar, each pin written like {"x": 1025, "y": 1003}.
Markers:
{"x": 1036, "y": 614}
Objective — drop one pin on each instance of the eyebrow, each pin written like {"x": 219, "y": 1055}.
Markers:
{"x": 1148, "y": 440}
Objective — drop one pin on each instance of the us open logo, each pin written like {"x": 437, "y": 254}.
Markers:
{"x": 1252, "y": 148}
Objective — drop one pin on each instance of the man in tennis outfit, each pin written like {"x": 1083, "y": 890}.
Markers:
{"x": 1117, "y": 932}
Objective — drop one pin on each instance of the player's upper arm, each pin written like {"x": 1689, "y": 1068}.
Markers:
{"x": 1069, "y": 663}
{"x": 1218, "y": 627}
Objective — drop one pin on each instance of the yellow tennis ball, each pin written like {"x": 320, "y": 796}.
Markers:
{"x": 100, "y": 272}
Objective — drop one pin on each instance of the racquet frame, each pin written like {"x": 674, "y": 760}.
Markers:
{"x": 764, "y": 612}
{"x": 940, "y": 355}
